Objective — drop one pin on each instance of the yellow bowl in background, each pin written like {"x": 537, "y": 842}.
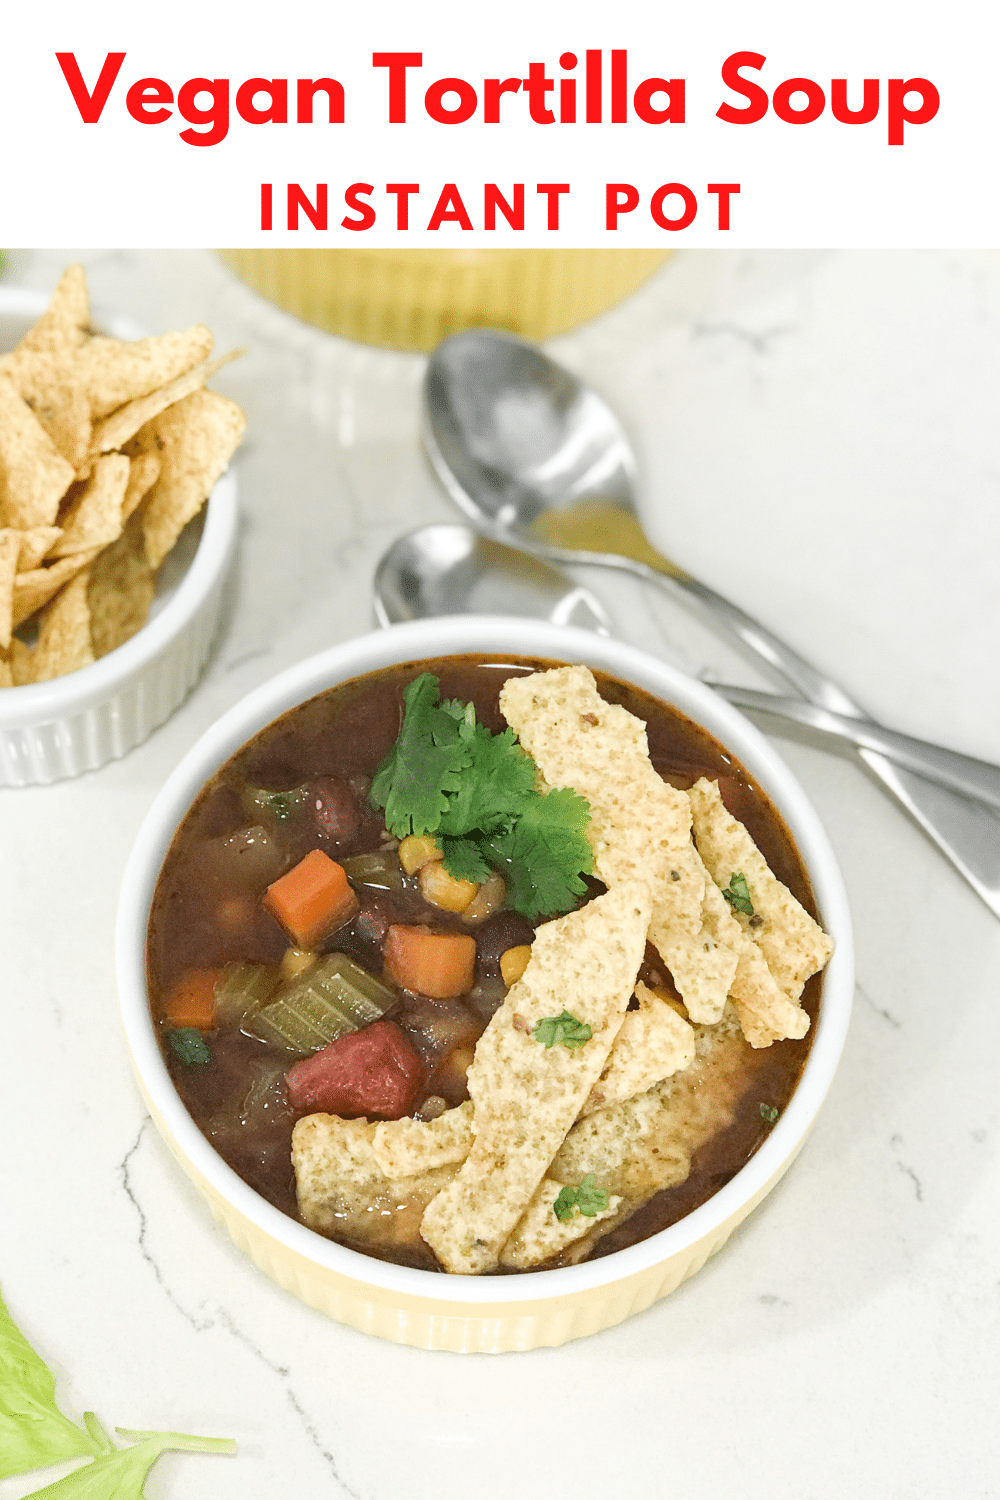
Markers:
{"x": 412, "y": 299}
{"x": 428, "y": 1310}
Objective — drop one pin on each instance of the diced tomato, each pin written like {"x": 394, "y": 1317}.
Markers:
{"x": 374, "y": 1072}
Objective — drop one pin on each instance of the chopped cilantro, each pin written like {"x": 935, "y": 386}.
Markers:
{"x": 587, "y": 1198}
{"x": 187, "y": 1043}
{"x": 450, "y": 776}
{"x": 768, "y": 1113}
{"x": 737, "y": 893}
{"x": 564, "y": 1030}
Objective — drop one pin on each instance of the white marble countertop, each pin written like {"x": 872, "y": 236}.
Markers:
{"x": 818, "y": 435}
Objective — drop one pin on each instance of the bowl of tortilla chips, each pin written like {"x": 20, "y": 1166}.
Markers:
{"x": 111, "y": 565}
{"x": 478, "y": 1305}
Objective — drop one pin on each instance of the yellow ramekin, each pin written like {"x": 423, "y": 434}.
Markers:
{"x": 487, "y": 1314}
{"x": 412, "y": 299}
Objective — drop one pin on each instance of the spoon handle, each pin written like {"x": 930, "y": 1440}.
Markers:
{"x": 963, "y": 773}
{"x": 966, "y": 832}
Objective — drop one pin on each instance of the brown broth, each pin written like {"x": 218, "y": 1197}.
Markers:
{"x": 237, "y": 1099}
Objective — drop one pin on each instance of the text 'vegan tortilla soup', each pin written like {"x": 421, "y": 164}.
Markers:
{"x": 484, "y": 968}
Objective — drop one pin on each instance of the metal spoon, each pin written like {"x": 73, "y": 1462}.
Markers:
{"x": 537, "y": 460}
{"x": 450, "y": 570}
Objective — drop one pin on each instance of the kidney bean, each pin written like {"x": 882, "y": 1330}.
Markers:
{"x": 505, "y": 929}
{"x": 334, "y": 808}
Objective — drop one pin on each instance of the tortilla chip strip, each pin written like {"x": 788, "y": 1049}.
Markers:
{"x": 63, "y": 633}
{"x": 194, "y": 440}
{"x": 95, "y": 517}
{"x": 65, "y": 321}
{"x": 32, "y": 590}
{"x": 112, "y": 372}
{"x": 793, "y": 945}
{"x": 526, "y": 1095}
{"x": 654, "y": 1042}
{"x": 342, "y": 1189}
{"x": 405, "y": 1147}
{"x": 540, "y": 1235}
{"x": 639, "y": 827}
{"x": 124, "y": 423}
{"x": 10, "y": 549}
{"x": 33, "y": 476}
{"x": 643, "y": 1145}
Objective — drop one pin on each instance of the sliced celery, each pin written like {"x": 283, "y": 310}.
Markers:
{"x": 243, "y": 989}
{"x": 280, "y": 805}
{"x": 381, "y": 869}
{"x": 332, "y": 998}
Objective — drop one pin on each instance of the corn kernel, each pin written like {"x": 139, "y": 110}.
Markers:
{"x": 295, "y": 961}
{"x": 489, "y": 898}
{"x": 442, "y": 889}
{"x": 513, "y": 963}
{"x": 414, "y": 852}
{"x": 670, "y": 999}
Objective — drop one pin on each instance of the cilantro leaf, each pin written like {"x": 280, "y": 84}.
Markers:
{"x": 737, "y": 893}
{"x": 768, "y": 1113}
{"x": 413, "y": 782}
{"x": 187, "y": 1043}
{"x": 495, "y": 785}
{"x": 33, "y": 1431}
{"x": 544, "y": 853}
{"x": 587, "y": 1199}
{"x": 564, "y": 1030}
{"x": 464, "y": 859}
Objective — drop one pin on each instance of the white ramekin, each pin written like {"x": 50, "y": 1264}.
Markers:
{"x": 490, "y": 1313}
{"x": 53, "y": 730}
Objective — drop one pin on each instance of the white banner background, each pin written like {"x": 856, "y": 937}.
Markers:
{"x": 122, "y": 182}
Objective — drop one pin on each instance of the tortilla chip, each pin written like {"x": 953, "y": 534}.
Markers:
{"x": 94, "y": 518}
{"x": 46, "y": 382}
{"x": 112, "y": 372}
{"x": 540, "y": 1235}
{"x": 793, "y": 945}
{"x": 143, "y": 472}
{"x": 32, "y": 590}
{"x": 405, "y": 1147}
{"x": 638, "y": 825}
{"x": 35, "y": 544}
{"x": 526, "y": 1095}
{"x": 33, "y": 476}
{"x": 10, "y": 548}
{"x": 702, "y": 966}
{"x": 121, "y": 589}
{"x": 124, "y": 423}
{"x": 194, "y": 440}
{"x": 65, "y": 322}
{"x": 63, "y": 633}
{"x": 342, "y": 1190}
{"x": 644, "y": 1144}
{"x": 653, "y": 1043}
{"x": 766, "y": 1014}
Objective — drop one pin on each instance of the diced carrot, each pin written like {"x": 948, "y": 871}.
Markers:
{"x": 312, "y": 900}
{"x": 191, "y": 1002}
{"x": 439, "y": 964}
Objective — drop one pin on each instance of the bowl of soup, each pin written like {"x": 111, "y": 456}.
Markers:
{"x": 483, "y": 975}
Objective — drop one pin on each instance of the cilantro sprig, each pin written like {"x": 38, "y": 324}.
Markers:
{"x": 34, "y": 1433}
{"x": 563, "y": 1030}
{"x": 587, "y": 1199}
{"x": 475, "y": 791}
{"x": 737, "y": 893}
